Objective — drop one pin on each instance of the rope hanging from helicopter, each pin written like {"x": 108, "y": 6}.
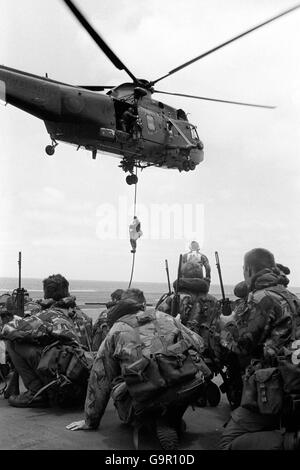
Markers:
{"x": 134, "y": 214}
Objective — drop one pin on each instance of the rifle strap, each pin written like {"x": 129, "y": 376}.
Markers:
{"x": 289, "y": 299}
{"x": 162, "y": 299}
{"x": 137, "y": 337}
{"x": 157, "y": 329}
{"x": 44, "y": 388}
{"x": 284, "y": 296}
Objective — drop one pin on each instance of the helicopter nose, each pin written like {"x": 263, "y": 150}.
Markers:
{"x": 197, "y": 155}
{"x": 200, "y": 145}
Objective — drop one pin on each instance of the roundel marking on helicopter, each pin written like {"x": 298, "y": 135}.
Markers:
{"x": 74, "y": 104}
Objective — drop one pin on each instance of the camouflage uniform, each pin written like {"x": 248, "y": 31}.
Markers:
{"x": 102, "y": 325}
{"x": 51, "y": 320}
{"x": 198, "y": 310}
{"x": 100, "y": 330}
{"x": 119, "y": 349}
{"x": 27, "y": 337}
{"x": 266, "y": 323}
{"x": 261, "y": 333}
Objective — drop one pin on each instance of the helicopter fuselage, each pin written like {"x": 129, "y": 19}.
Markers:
{"x": 92, "y": 120}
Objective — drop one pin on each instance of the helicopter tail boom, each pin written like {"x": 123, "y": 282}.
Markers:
{"x": 35, "y": 95}
{"x": 54, "y": 101}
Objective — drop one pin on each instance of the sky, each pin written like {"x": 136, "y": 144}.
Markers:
{"x": 245, "y": 194}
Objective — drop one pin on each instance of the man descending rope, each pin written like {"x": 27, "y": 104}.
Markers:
{"x": 135, "y": 232}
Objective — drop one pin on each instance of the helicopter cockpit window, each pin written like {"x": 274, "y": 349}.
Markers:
{"x": 181, "y": 115}
{"x": 151, "y": 123}
{"x": 2, "y": 93}
{"x": 194, "y": 133}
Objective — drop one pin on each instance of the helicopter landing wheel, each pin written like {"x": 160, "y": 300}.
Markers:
{"x": 192, "y": 165}
{"x": 186, "y": 165}
{"x": 50, "y": 150}
{"x": 131, "y": 179}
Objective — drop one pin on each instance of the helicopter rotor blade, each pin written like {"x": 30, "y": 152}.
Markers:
{"x": 216, "y": 99}
{"x": 98, "y": 40}
{"x": 96, "y": 87}
{"x": 210, "y": 51}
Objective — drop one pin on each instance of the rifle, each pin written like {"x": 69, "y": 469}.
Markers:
{"x": 20, "y": 291}
{"x": 226, "y": 306}
{"x": 176, "y": 298}
{"x": 168, "y": 277}
{"x": 164, "y": 296}
{"x": 13, "y": 384}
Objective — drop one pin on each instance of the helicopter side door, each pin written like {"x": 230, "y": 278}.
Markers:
{"x": 152, "y": 131}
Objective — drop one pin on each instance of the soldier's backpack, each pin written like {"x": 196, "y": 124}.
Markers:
{"x": 289, "y": 303}
{"x": 151, "y": 374}
{"x": 65, "y": 371}
{"x": 267, "y": 389}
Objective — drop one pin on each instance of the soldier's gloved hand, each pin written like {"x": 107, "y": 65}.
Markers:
{"x": 79, "y": 426}
{"x": 227, "y": 340}
{"x": 226, "y": 307}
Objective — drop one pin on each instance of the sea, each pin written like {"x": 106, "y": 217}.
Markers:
{"x": 98, "y": 292}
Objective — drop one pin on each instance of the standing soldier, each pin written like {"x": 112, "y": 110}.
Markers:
{"x": 195, "y": 256}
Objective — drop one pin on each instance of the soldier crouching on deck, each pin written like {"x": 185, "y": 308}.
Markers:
{"x": 196, "y": 307}
{"x": 266, "y": 340}
{"x": 133, "y": 365}
{"x": 201, "y": 312}
{"x": 50, "y": 348}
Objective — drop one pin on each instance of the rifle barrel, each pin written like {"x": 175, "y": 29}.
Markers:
{"x": 168, "y": 276}
{"x": 176, "y": 298}
{"x": 178, "y": 272}
{"x": 20, "y": 268}
{"x": 220, "y": 274}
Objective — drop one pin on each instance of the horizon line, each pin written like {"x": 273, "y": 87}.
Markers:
{"x": 125, "y": 281}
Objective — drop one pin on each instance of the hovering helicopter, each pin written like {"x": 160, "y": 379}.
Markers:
{"x": 125, "y": 121}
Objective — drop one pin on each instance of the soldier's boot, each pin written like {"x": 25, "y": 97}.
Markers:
{"x": 166, "y": 434}
{"x": 13, "y": 385}
{"x": 291, "y": 441}
{"x": 27, "y": 400}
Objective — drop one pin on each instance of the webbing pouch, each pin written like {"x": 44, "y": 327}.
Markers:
{"x": 143, "y": 379}
{"x": 176, "y": 364}
{"x": 269, "y": 390}
{"x": 80, "y": 365}
{"x": 249, "y": 394}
